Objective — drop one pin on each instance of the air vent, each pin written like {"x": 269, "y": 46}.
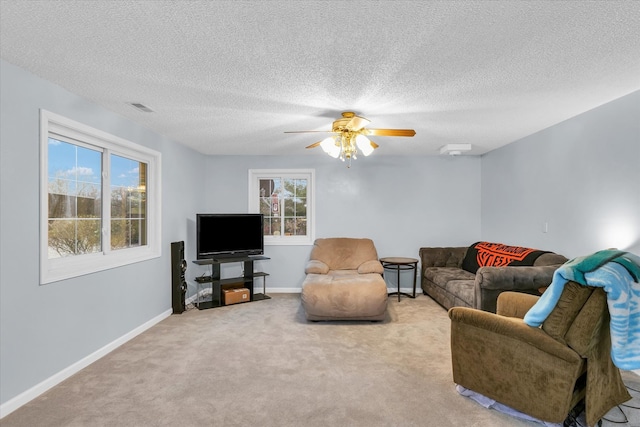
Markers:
{"x": 141, "y": 107}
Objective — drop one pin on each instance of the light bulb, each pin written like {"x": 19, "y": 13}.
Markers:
{"x": 364, "y": 145}
{"x": 329, "y": 146}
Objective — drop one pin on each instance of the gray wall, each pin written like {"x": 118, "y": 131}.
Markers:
{"x": 402, "y": 203}
{"x": 44, "y": 329}
{"x": 581, "y": 177}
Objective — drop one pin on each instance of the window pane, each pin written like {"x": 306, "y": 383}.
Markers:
{"x": 272, "y": 226}
{"x": 295, "y": 227}
{"x": 270, "y": 190}
{"x": 295, "y": 207}
{"x": 128, "y": 202}
{"x": 74, "y": 237}
{"x": 282, "y": 197}
{"x": 74, "y": 183}
{"x": 301, "y": 207}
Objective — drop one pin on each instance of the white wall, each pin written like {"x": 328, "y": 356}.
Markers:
{"x": 45, "y": 329}
{"x": 581, "y": 177}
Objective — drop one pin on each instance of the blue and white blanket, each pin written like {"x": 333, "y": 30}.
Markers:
{"x": 618, "y": 273}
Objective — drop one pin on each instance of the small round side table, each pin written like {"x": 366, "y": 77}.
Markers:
{"x": 402, "y": 264}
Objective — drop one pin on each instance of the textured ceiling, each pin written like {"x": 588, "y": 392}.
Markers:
{"x": 229, "y": 77}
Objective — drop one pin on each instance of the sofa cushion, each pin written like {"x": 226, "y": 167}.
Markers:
{"x": 442, "y": 275}
{"x": 342, "y": 253}
{"x": 344, "y": 295}
{"x": 487, "y": 254}
{"x": 462, "y": 289}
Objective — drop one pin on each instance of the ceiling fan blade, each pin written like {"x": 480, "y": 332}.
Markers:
{"x": 314, "y": 145}
{"x": 357, "y": 123}
{"x": 373, "y": 144}
{"x": 390, "y": 132}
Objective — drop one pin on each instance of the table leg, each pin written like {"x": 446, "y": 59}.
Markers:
{"x": 398, "y": 270}
{"x": 415, "y": 277}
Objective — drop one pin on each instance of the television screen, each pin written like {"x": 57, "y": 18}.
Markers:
{"x": 227, "y": 235}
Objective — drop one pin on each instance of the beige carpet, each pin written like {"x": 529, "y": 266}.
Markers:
{"x": 263, "y": 364}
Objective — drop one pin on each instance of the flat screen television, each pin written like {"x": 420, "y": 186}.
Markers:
{"x": 229, "y": 235}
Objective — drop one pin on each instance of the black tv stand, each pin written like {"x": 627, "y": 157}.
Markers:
{"x": 218, "y": 284}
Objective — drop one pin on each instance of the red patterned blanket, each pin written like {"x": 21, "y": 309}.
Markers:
{"x": 487, "y": 254}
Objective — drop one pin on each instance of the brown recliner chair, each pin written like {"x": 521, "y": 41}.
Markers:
{"x": 543, "y": 372}
{"x": 344, "y": 281}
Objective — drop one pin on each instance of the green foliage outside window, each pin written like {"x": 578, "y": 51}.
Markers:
{"x": 284, "y": 201}
{"x": 75, "y": 202}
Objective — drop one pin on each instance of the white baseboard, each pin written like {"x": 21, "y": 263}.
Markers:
{"x": 298, "y": 290}
{"x": 282, "y": 290}
{"x": 405, "y": 290}
{"x": 35, "y": 391}
{"x": 191, "y": 299}
{"x": 295, "y": 290}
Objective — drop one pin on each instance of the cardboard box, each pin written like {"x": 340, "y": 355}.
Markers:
{"x": 234, "y": 296}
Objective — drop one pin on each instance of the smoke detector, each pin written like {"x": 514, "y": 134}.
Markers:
{"x": 455, "y": 149}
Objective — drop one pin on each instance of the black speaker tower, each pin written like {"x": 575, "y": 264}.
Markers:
{"x": 178, "y": 283}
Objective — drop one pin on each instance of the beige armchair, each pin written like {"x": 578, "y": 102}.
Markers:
{"x": 543, "y": 372}
{"x": 344, "y": 281}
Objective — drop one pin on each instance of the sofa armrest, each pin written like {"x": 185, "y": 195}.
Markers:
{"x": 442, "y": 257}
{"x": 492, "y": 281}
{"x": 371, "y": 266}
{"x": 514, "y": 278}
{"x": 316, "y": 267}
{"x": 510, "y": 330}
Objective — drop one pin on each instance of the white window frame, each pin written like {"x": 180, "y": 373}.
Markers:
{"x": 254, "y": 201}
{"x": 53, "y": 270}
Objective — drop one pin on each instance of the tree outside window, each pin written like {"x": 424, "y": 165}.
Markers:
{"x": 75, "y": 202}
{"x": 284, "y": 197}
{"x": 128, "y": 203}
{"x": 100, "y": 200}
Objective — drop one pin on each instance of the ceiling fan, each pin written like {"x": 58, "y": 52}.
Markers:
{"x": 350, "y": 134}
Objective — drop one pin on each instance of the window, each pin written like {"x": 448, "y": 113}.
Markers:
{"x": 285, "y": 198}
{"x": 100, "y": 200}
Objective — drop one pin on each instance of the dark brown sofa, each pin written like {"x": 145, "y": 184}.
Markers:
{"x": 446, "y": 281}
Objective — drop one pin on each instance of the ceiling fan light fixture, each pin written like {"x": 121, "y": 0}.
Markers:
{"x": 364, "y": 144}
{"x": 330, "y": 147}
{"x": 350, "y": 135}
